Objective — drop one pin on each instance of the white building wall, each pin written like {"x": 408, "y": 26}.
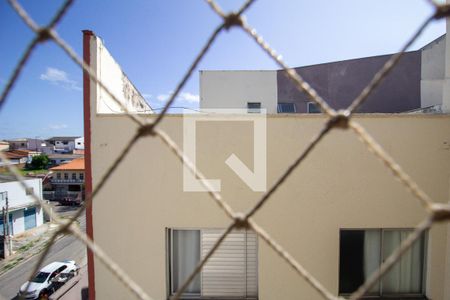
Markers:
{"x": 233, "y": 89}
{"x": 79, "y": 143}
{"x": 16, "y": 194}
{"x": 110, "y": 73}
{"x": 17, "y": 198}
{"x": 432, "y": 73}
{"x": 446, "y": 91}
{"x": 39, "y": 216}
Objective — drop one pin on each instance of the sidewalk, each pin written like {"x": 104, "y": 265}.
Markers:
{"x": 27, "y": 244}
{"x": 32, "y": 241}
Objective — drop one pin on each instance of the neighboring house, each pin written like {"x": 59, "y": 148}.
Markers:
{"x": 417, "y": 83}
{"x": 63, "y": 144}
{"x": 340, "y": 214}
{"x": 28, "y": 153}
{"x": 79, "y": 143}
{"x": 62, "y": 158}
{"x": 18, "y": 158}
{"x": 67, "y": 180}
{"x": 37, "y": 145}
{"x": 4, "y": 146}
{"x": 18, "y": 144}
{"x": 24, "y": 214}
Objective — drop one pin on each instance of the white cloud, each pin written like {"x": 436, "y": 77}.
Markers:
{"x": 59, "y": 77}
{"x": 185, "y": 96}
{"x": 189, "y": 97}
{"x": 57, "y": 126}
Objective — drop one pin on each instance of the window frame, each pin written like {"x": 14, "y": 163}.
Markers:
{"x": 380, "y": 294}
{"x": 254, "y": 110}
{"x": 308, "y": 109}
{"x": 185, "y": 295}
{"x": 29, "y": 191}
{"x": 169, "y": 268}
{"x": 279, "y": 105}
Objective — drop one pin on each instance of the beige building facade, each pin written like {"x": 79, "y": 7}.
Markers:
{"x": 340, "y": 214}
{"x": 340, "y": 186}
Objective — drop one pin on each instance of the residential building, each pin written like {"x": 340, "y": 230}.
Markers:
{"x": 67, "y": 180}
{"x": 18, "y": 144}
{"x": 19, "y": 158}
{"x": 417, "y": 83}
{"x": 340, "y": 214}
{"x": 57, "y": 159}
{"x": 79, "y": 143}
{"x": 4, "y": 146}
{"x": 24, "y": 214}
{"x": 63, "y": 144}
{"x": 37, "y": 145}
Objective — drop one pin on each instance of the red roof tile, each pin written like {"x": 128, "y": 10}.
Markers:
{"x": 74, "y": 165}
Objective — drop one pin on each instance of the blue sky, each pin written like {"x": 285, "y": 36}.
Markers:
{"x": 156, "y": 41}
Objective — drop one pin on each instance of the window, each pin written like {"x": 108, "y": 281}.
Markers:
{"x": 231, "y": 272}
{"x": 286, "y": 108}
{"x": 29, "y": 191}
{"x": 254, "y": 107}
{"x": 66, "y": 176}
{"x": 81, "y": 176}
{"x": 58, "y": 175}
{"x": 313, "y": 108}
{"x": 361, "y": 253}
{"x": 57, "y": 272}
{"x": 74, "y": 176}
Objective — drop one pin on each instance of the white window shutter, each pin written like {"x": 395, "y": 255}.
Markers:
{"x": 252, "y": 264}
{"x": 232, "y": 270}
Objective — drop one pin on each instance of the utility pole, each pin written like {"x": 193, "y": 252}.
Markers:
{"x": 7, "y": 246}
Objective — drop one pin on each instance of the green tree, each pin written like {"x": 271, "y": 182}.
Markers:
{"x": 38, "y": 162}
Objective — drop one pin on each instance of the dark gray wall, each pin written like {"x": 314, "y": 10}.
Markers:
{"x": 341, "y": 82}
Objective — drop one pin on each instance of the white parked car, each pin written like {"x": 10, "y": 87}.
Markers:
{"x": 48, "y": 279}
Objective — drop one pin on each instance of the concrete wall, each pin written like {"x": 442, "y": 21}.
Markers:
{"x": 446, "y": 93}
{"x": 39, "y": 216}
{"x": 110, "y": 73}
{"x": 339, "y": 83}
{"x": 79, "y": 143}
{"x": 60, "y": 145}
{"x": 340, "y": 185}
{"x": 19, "y": 220}
{"x": 16, "y": 194}
{"x": 233, "y": 89}
{"x": 432, "y": 73}
{"x": 18, "y": 201}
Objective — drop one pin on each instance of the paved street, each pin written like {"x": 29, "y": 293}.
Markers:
{"x": 67, "y": 247}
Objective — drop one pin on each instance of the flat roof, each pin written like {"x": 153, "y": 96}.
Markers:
{"x": 64, "y": 155}
{"x": 10, "y": 178}
{"x": 63, "y": 138}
